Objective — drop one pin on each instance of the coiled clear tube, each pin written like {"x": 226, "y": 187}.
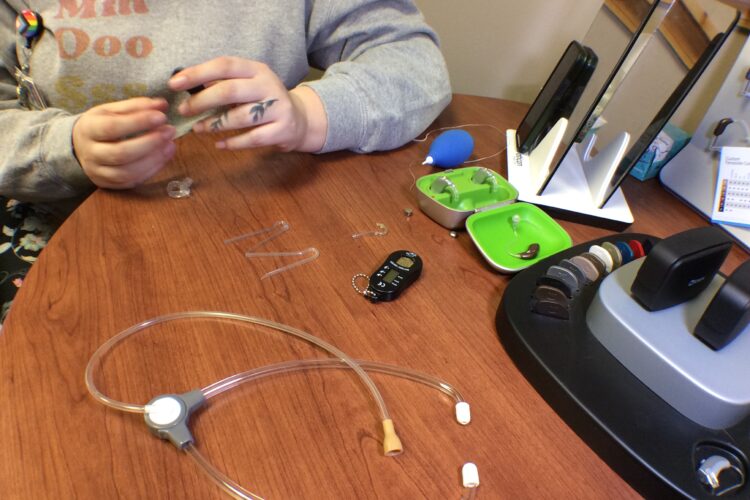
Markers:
{"x": 96, "y": 358}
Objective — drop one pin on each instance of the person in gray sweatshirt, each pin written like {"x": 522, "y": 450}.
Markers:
{"x": 89, "y": 95}
{"x": 103, "y": 68}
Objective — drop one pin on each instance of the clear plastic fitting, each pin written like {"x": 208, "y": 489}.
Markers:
{"x": 179, "y": 188}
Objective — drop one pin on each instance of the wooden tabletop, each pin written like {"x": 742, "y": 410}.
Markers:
{"x": 124, "y": 257}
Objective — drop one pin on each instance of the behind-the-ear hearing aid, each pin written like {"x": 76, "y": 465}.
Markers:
{"x": 728, "y": 314}
{"x": 442, "y": 185}
{"x": 485, "y": 176}
{"x": 721, "y": 126}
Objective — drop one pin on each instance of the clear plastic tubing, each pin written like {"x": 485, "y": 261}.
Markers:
{"x": 95, "y": 360}
{"x": 237, "y": 491}
{"x": 471, "y": 494}
{"x": 230, "y": 487}
{"x": 341, "y": 361}
{"x": 314, "y": 364}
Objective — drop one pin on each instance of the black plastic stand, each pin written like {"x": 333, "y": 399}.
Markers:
{"x": 652, "y": 446}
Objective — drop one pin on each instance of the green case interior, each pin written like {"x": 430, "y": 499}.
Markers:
{"x": 472, "y": 196}
{"x": 493, "y": 234}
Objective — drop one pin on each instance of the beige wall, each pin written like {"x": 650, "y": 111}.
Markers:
{"x": 507, "y": 48}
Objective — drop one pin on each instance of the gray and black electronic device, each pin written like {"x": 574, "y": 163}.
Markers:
{"x": 660, "y": 406}
{"x": 728, "y": 314}
{"x": 680, "y": 267}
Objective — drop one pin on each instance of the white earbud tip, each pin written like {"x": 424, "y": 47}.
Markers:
{"x": 428, "y": 161}
{"x": 470, "y": 475}
{"x": 463, "y": 413}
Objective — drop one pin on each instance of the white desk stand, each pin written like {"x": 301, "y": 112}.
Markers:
{"x": 691, "y": 175}
{"x": 578, "y": 185}
{"x": 527, "y": 171}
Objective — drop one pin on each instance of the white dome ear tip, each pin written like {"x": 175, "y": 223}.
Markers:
{"x": 463, "y": 412}
{"x": 470, "y": 475}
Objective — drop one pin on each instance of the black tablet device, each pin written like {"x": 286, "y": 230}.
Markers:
{"x": 595, "y": 107}
{"x": 558, "y": 96}
{"x": 664, "y": 114}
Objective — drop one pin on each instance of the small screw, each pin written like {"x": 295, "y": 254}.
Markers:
{"x": 453, "y": 234}
{"x": 408, "y": 212}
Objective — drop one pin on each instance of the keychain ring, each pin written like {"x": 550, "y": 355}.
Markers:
{"x": 364, "y": 292}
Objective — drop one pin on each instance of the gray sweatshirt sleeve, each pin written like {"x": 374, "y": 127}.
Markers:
{"x": 36, "y": 154}
{"x": 385, "y": 78}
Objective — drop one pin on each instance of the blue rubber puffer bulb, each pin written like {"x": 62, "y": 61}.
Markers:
{"x": 450, "y": 149}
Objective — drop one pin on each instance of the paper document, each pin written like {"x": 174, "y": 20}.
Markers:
{"x": 732, "y": 200}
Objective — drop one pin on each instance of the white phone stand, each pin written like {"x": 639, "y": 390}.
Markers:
{"x": 691, "y": 174}
{"x": 579, "y": 184}
{"x": 527, "y": 171}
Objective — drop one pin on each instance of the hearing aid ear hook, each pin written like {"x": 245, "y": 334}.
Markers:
{"x": 721, "y": 126}
{"x": 381, "y": 230}
{"x": 443, "y": 184}
{"x": 278, "y": 227}
{"x": 309, "y": 254}
{"x": 485, "y": 176}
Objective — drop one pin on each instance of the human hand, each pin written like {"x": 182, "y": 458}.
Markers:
{"x": 110, "y": 153}
{"x": 255, "y": 99}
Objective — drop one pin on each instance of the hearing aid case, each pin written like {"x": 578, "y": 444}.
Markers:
{"x": 494, "y": 235}
{"x": 488, "y": 217}
{"x": 472, "y": 196}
